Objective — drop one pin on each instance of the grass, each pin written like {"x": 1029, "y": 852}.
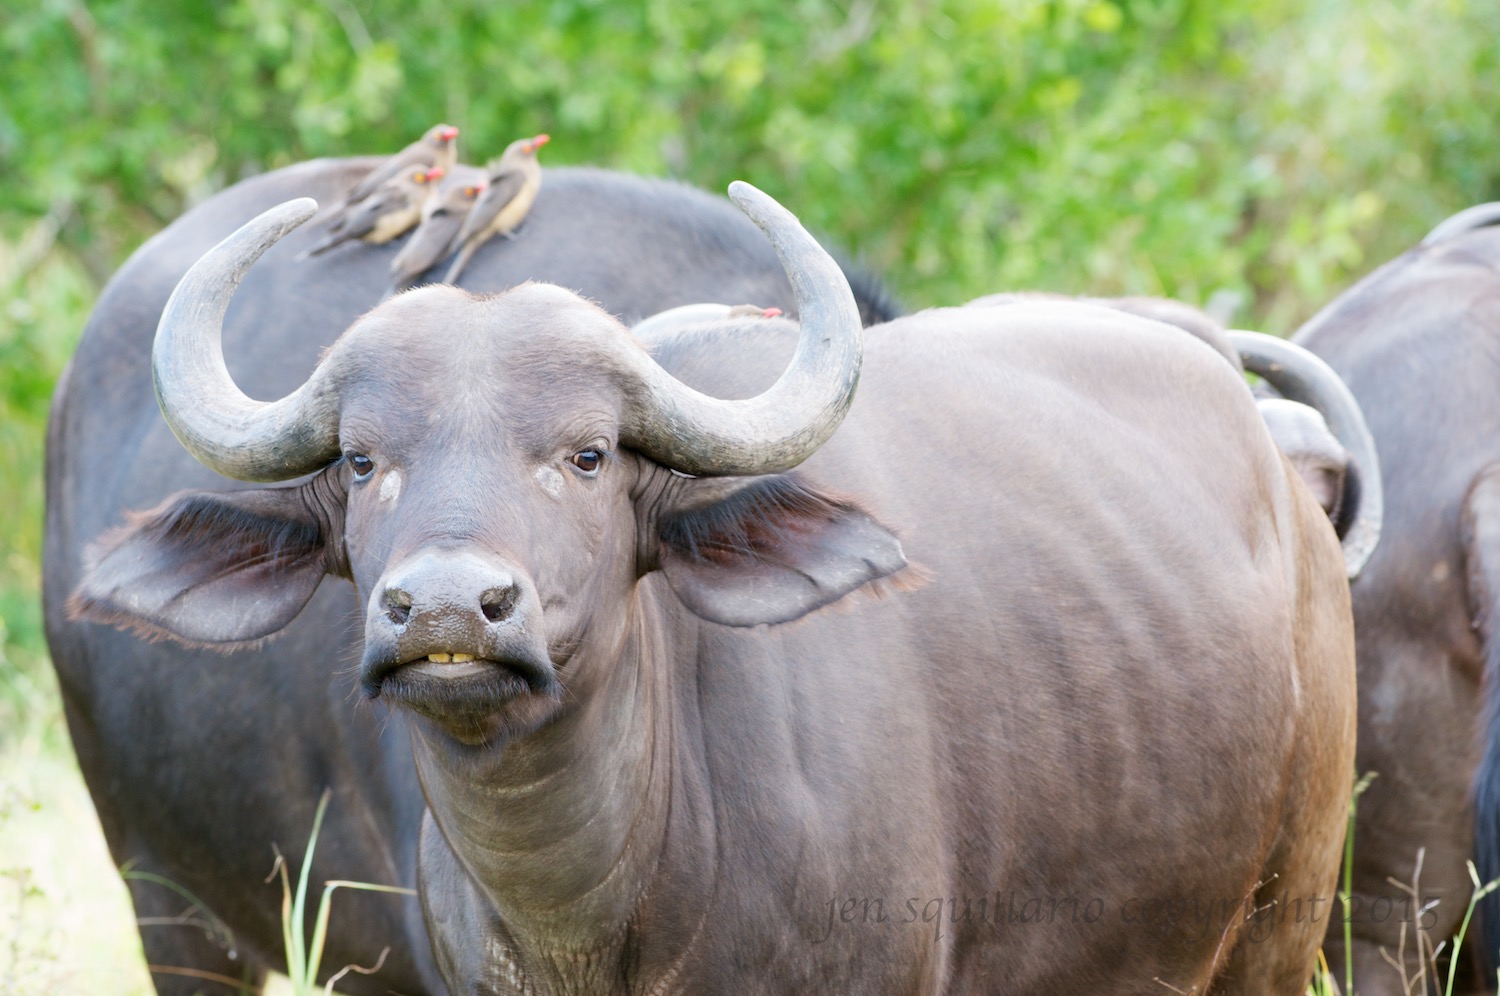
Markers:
{"x": 66, "y": 924}
{"x": 1361, "y": 784}
{"x": 1480, "y": 891}
{"x": 305, "y": 957}
{"x": 1429, "y": 954}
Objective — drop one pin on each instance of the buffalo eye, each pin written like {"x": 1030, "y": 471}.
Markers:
{"x": 362, "y": 466}
{"x": 587, "y": 461}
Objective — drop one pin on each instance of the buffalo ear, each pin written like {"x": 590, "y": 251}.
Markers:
{"x": 206, "y": 568}
{"x": 1303, "y": 436}
{"x": 770, "y": 550}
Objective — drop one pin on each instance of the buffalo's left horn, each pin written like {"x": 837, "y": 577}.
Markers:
{"x": 1301, "y": 376}
{"x": 783, "y": 426}
{"x": 227, "y": 431}
{"x": 665, "y": 324}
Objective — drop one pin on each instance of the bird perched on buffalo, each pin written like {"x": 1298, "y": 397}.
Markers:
{"x": 390, "y": 211}
{"x": 442, "y": 217}
{"x": 514, "y": 180}
{"x": 435, "y": 148}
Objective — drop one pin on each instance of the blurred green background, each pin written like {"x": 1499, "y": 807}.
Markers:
{"x": 1271, "y": 150}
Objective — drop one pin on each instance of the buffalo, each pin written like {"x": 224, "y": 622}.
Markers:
{"x": 1416, "y": 341}
{"x": 198, "y": 763}
{"x": 1082, "y": 719}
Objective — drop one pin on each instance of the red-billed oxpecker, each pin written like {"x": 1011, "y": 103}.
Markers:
{"x": 437, "y": 147}
{"x": 442, "y": 217}
{"x": 390, "y": 212}
{"x": 515, "y": 179}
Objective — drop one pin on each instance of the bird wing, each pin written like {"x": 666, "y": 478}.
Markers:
{"x": 428, "y": 244}
{"x": 502, "y": 190}
{"x": 356, "y": 221}
{"x": 363, "y": 216}
{"x": 415, "y": 154}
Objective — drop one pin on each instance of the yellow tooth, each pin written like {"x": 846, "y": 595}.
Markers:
{"x": 461, "y": 658}
{"x": 440, "y": 658}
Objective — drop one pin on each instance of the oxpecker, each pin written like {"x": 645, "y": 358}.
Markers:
{"x": 389, "y": 212}
{"x": 514, "y": 180}
{"x": 435, "y": 148}
{"x": 442, "y": 217}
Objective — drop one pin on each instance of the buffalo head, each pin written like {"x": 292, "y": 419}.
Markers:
{"x": 495, "y": 474}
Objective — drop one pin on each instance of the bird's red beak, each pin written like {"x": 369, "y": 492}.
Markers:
{"x": 433, "y": 175}
{"x": 447, "y": 133}
{"x": 538, "y": 142}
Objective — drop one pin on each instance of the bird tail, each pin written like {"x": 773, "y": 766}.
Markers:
{"x": 321, "y": 247}
{"x": 457, "y": 269}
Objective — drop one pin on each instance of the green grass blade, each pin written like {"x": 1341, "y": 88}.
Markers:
{"x": 320, "y": 932}
{"x": 305, "y": 976}
{"x": 1346, "y": 895}
{"x": 1480, "y": 891}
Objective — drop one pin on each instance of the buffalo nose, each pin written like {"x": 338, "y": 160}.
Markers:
{"x": 397, "y": 605}
{"x": 498, "y": 602}
{"x": 450, "y": 601}
{"x": 455, "y": 614}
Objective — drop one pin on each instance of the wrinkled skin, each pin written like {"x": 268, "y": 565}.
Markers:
{"x": 1416, "y": 341}
{"x": 198, "y": 762}
{"x": 633, "y": 797}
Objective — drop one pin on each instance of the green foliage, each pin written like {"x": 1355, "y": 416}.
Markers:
{"x": 965, "y": 146}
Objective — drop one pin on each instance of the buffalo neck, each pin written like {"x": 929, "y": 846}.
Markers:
{"x": 565, "y": 831}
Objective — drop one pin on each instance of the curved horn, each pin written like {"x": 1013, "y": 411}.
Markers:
{"x": 1478, "y": 216}
{"x": 780, "y": 428}
{"x": 1301, "y": 376}
{"x": 226, "y": 431}
{"x": 664, "y": 324}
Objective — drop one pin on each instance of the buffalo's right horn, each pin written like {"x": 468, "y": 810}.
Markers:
{"x": 1301, "y": 376}
{"x": 778, "y": 429}
{"x": 223, "y": 428}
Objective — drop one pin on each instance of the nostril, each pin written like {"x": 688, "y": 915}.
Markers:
{"x": 498, "y": 603}
{"x": 397, "y": 605}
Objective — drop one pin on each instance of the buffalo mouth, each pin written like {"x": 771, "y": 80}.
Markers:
{"x": 450, "y": 666}
{"x": 464, "y": 690}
